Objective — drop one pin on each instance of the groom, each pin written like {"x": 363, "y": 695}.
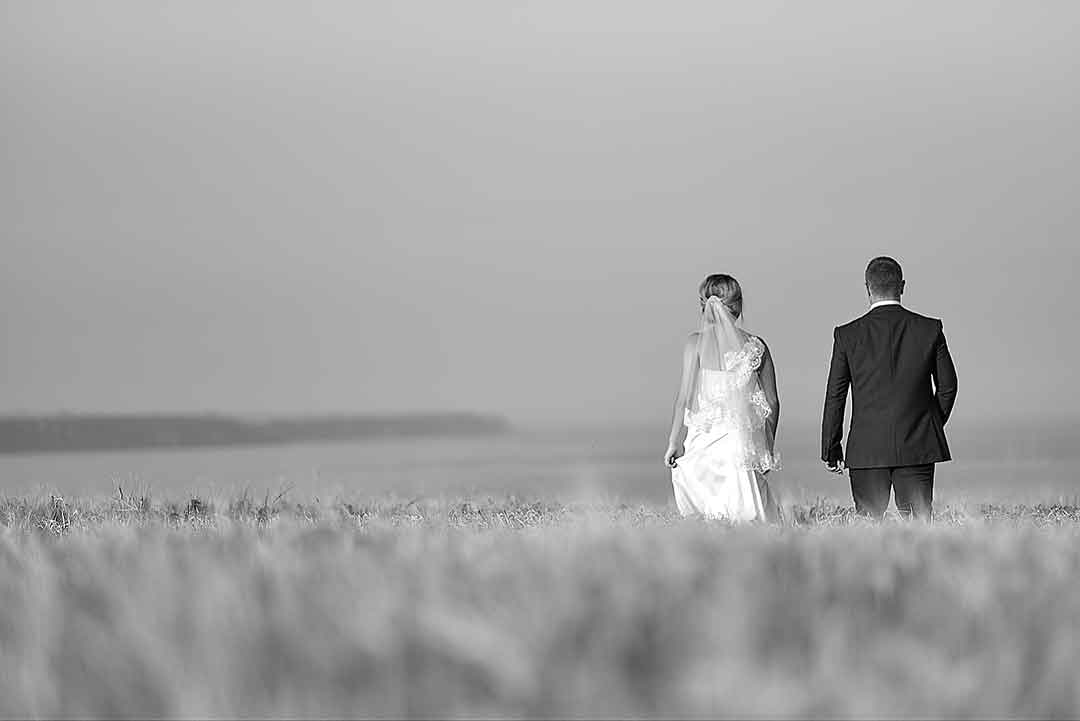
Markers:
{"x": 903, "y": 385}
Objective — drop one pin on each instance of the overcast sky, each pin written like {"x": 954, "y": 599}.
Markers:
{"x": 507, "y": 206}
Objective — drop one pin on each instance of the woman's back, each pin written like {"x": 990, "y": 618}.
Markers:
{"x": 728, "y": 416}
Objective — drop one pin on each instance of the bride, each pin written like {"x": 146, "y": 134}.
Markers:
{"x": 726, "y": 411}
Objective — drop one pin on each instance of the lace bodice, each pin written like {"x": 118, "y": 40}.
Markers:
{"x": 728, "y": 406}
{"x": 719, "y": 391}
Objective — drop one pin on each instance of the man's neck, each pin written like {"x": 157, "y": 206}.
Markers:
{"x": 878, "y": 302}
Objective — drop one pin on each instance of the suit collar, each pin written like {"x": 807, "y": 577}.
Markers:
{"x": 886, "y": 308}
{"x": 884, "y": 304}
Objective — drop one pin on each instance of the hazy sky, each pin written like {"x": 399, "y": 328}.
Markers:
{"x": 507, "y": 206}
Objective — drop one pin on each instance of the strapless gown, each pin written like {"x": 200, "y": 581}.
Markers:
{"x": 714, "y": 478}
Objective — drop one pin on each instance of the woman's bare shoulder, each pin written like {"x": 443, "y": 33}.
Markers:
{"x": 692, "y": 341}
{"x": 755, "y": 338}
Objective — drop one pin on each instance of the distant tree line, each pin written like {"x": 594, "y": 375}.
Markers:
{"x": 79, "y": 432}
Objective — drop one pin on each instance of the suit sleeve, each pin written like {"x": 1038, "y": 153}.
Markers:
{"x": 832, "y": 420}
{"x": 944, "y": 374}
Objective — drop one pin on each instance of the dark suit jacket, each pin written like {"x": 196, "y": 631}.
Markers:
{"x": 889, "y": 357}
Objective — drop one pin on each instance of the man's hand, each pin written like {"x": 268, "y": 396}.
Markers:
{"x": 834, "y": 466}
{"x": 674, "y": 452}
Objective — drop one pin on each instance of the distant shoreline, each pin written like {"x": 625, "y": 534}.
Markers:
{"x": 69, "y": 433}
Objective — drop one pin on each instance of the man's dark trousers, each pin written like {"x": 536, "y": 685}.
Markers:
{"x": 912, "y": 485}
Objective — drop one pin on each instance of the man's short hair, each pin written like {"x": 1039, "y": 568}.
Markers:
{"x": 884, "y": 277}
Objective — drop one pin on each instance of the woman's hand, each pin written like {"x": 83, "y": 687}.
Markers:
{"x": 675, "y": 451}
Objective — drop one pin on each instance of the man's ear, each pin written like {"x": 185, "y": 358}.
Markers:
{"x": 902, "y": 283}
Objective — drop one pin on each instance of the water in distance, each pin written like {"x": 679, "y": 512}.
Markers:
{"x": 581, "y": 464}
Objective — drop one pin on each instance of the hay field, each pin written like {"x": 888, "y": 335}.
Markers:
{"x": 128, "y": 607}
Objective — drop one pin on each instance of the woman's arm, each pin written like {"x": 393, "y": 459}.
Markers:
{"x": 675, "y": 438}
{"x": 767, "y": 375}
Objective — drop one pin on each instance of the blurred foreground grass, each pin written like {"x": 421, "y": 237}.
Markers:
{"x": 133, "y": 607}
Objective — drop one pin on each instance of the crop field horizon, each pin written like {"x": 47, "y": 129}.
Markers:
{"x": 501, "y": 606}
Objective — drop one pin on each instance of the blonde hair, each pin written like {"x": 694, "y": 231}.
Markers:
{"x": 724, "y": 287}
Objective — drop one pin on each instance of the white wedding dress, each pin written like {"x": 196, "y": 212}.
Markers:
{"x": 727, "y": 448}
